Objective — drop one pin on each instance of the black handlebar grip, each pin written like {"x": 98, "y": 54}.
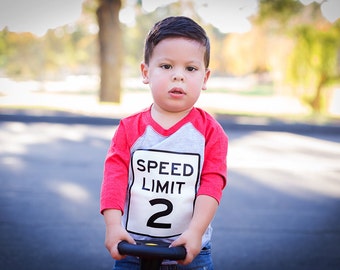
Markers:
{"x": 151, "y": 250}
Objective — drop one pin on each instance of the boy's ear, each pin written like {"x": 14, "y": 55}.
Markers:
{"x": 145, "y": 72}
{"x": 206, "y": 77}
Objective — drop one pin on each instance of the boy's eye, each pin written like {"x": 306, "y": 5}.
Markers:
{"x": 166, "y": 66}
{"x": 191, "y": 68}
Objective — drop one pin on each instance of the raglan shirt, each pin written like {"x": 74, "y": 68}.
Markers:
{"x": 153, "y": 175}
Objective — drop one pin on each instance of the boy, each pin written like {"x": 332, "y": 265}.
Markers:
{"x": 166, "y": 166}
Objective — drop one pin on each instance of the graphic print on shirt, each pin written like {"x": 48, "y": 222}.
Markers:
{"x": 162, "y": 192}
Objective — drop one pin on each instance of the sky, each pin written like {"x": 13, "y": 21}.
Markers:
{"x": 228, "y": 16}
{"x": 37, "y": 16}
{"x": 330, "y": 9}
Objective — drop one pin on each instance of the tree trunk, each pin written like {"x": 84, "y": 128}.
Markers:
{"x": 316, "y": 102}
{"x": 110, "y": 46}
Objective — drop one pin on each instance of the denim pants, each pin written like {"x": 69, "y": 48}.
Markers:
{"x": 203, "y": 261}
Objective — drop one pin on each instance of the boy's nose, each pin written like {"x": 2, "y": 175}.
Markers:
{"x": 178, "y": 76}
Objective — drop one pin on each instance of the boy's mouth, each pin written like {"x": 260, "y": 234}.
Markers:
{"x": 177, "y": 91}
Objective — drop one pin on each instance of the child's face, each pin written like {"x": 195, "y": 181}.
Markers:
{"x": 176, "y": 74}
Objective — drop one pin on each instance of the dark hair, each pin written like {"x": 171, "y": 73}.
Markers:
{"x": 178, "y": 26}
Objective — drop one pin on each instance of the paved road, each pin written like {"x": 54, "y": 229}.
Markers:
{"x": 281, "y": 209}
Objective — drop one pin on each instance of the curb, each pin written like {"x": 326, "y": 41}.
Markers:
{"x": 240, "y": 123}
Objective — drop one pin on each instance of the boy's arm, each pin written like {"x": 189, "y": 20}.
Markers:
{"x": 204, "y": 212}
{"x": 115, "y": 232}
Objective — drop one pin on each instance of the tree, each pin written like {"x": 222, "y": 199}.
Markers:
{"x": 111, "y": 50}
{"x": 313, "y": 62}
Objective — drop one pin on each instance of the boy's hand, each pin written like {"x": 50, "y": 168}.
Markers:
{"x": 115, "y": 233}
{"x": 192, "y": 243}
{"x": 191, "y": 239}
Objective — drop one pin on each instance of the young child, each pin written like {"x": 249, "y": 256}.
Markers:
{"x": 166, "y": 166}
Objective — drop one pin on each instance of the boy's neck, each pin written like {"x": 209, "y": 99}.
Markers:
{"x": 167, "y": 119}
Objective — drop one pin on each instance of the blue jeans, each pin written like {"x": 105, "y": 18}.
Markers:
{"x": 203, "y": 261}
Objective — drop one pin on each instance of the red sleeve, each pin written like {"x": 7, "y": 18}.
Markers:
{"x": 214, "y": 171}
{"x": 115, "y": 176}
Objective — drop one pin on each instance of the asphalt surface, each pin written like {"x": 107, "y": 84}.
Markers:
{"x": 280, "y": 210}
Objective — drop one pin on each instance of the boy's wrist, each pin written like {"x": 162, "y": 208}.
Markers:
{"x": 194, "y": 228}
{"x": 112, "y": 217}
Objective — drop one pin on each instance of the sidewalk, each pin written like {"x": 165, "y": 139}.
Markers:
{"x": 79, "y": 103}
{"x": 78, "y": 94}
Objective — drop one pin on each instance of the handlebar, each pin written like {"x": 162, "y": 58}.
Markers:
{"x": 152, "y": 250}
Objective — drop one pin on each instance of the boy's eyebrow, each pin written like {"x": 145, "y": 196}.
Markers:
{"x": 166, "y": 59}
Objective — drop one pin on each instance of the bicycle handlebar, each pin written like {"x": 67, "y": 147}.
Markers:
{"x": 152, "y": 250}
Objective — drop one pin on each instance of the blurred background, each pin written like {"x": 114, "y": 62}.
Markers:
{"x": 276, "y": 58}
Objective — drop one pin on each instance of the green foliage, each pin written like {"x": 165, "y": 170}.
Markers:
{"x": 281, "y": 10}
{"x": 16, "y": 53}
{"x": 133, "y": 41}
{"x": 314, "y": 60}
{"x": 4, "y": 48}
{"x": 65, "y": 49}
{"x": 315, "y": 53}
